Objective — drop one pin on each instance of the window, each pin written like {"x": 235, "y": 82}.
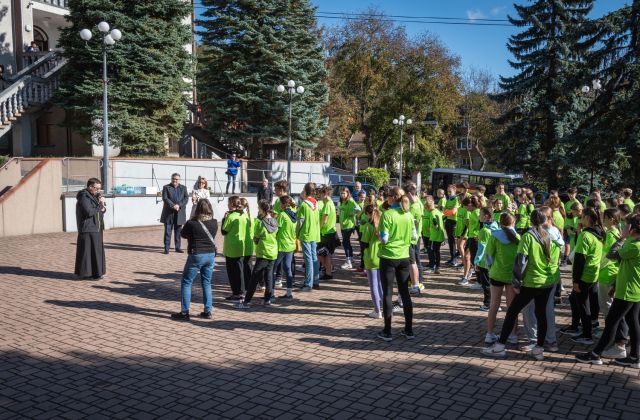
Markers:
{"x": 462, "y": 144}
{"x": 464, "y": 162}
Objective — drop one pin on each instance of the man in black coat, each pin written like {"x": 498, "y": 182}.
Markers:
{"x": 90, "y": 207}
{"x": 174, "y": 214}
{"x": 265, "y": 192}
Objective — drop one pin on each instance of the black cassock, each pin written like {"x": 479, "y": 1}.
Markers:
{"x": 90, "y": 258}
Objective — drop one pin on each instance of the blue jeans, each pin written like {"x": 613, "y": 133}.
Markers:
{"x": 203, "y": 264}
{"x": 231, "y": 180}
{"x": 346, "y": 242}
{"x": 311, "y": 264}
{"x": 286, "y": 258}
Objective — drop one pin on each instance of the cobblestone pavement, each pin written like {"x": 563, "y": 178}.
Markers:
{"x": 98, "y": 349}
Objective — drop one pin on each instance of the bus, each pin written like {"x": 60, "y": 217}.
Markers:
{"x": 442, "y": 177}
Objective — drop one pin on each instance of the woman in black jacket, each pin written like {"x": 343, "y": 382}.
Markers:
{"x": 90, "y": 206}
{"x": 200, "y": 232}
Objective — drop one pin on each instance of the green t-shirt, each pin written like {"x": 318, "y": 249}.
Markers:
{"x": 398, "y": 226}
{"x": 474, "y": 223}
{"x": 267, "y": 246}
{"x": 286, "y": 235}
{"x": 483, "y": 238}
{"x": 504, "y": 256}
{"x": 568, "y": 205}
{"x": 310, "y": 229}
{"x": 608, "y": 268}
{"x": 426, "y": 223}
{"x": 629, "y": 202}
{"x": 628, "y": 280}
{"x": 235, "y": 226}
{"x": 277, "y": 206}
{"x": 416, "y": 211}
{"x": 506, "y": 200}
{"x": 348, "y": 211}
{"x": 370, "y": 255}
{"x": 452, "y": 204}
{"x": 461, "y": 222}
{"x": 523, "y": 214}
{"x": 436, "y": 231}
{"x": 496, "y": 216}
{"x": 329, "y": 209}
{"x": 539, "y": 272}
{"x": 591, "y": 247}
{"x": 320, "y": 205}
{"x": 249, "y": 246}
{"x": 441, "y": 203}
{"x": 558, "y": 220}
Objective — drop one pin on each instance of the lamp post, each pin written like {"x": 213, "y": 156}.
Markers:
{"x": 291, "y": 88}
{"x": 401, "y": 121}
{"x": 596, "y": 87}
{"x": 109, "y": 38}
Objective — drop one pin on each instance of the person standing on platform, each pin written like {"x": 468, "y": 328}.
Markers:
{"x": 90, "y": 208}
{"x": 232, "y": 171}
{"x": 174, "y": 214}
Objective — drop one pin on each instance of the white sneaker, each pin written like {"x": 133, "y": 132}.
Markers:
{"x": 375, "y": 315}
{"x": 397, "y": 309}
{"x": 490, "y": 338}
{"x": 496, "y": 350}
{"x": 513, "y": 339}
{"x": 537, "y": 353}
{"x": 278, "y": 284}
{"x": 347, "y": 265}
{"x": 475, "y": 286}
{"x": 615, "y": 352}
{"x": 464, "y": 282}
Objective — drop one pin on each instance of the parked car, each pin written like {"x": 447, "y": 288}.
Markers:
{"x": 335, "y": 195}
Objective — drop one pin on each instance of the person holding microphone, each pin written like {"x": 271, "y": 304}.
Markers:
{"x": 90, "y": 208}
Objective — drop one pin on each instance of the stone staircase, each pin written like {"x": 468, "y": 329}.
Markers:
{"x": 29, "y": 89}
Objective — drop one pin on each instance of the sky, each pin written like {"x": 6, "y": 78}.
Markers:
{"x": 478, "y": 46}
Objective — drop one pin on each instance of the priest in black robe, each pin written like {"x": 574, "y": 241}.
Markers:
{"x": 90, "y": 207}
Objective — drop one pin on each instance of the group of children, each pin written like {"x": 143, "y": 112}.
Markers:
{"x": 512, "y": 248}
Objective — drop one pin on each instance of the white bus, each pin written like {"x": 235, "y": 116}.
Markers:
{"x": 442, "y": 177}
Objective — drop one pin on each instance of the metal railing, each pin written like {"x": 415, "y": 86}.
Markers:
{"x": 76, "y": 172}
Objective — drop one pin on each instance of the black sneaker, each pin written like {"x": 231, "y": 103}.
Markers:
{"x": 408, "y": 335}
{"x": 286, "y": 297}
{"x": 234, "y": 297}
{"x": 180, "y": 316}
{"x": 589, "y": 357}
{"x": 570, "y": 330}
{"x": 179, "y": 251}
{"x": 326, "y": 277}
{"x": 316, "y": 287}
{"x": 581, "y": 339}
{"x": 628, "y": 362}
{"x": 205, "y": 315}
{"x": 385, "y": 336}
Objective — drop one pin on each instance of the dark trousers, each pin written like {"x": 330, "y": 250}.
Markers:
{"x": 398, "y": 270}
{"x": 262, "y": 273}
{"x": 472, "y": 244}
{"x": 621, "y": 310}
{"x": 435, "y": 251}
{"x": 239, "y": 273}
{"x": 168, "y": 228}
{"x": 450, "y": 229}
{"x": 414, "y": 257}
{"x": 483, "y": 280}
{"x": 581, "y": 306}
{"x": 522, "y": 299}
{"x": 426, "y": 243}
{"x": 346, "y": 242}
{"x": 231, "y": 180}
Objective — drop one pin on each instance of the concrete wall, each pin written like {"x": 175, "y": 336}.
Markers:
{"x": 33, "y": 206}
{"x": 7, "y": 43}
{"x": 10, "y": 174}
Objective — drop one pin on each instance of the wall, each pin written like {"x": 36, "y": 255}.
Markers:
{"x": 33, "y": 206}
{"x": 10, "y": 174}
{"x": 7, "y": 43}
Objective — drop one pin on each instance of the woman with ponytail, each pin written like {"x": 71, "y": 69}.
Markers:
{"x": 532, "y": 280}
{"x": 586, "y": 267}
{"x": 396, "y": 232}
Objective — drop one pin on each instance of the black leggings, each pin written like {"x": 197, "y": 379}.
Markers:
{"x": 398, "y": 270}
{"x": 483, "y": 280}
{"x": 540, "y": 296}
{"x": 435, "y": 253}
{"x": 346, "y": 242}
{"x": 582, "y": 306}
{"x": 621, "y": 309}
{"x": 262, "y": 273}
{"x": 450, "y": 228}
{"x": 239, "y": 274}
{"x": 427, "y": 246}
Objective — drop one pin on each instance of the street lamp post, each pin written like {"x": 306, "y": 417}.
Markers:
{"x": 291, "y": 88}
{"x": 109, "y": 38}
{"x": 596, "y": 87}
{"x": 401, "y": 121}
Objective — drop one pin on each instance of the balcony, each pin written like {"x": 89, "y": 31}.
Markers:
{"x": 52, "y": 7}
{"x": 63, "y": 4}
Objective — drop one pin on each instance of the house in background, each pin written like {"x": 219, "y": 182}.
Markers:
{"x": 466, "y": 154}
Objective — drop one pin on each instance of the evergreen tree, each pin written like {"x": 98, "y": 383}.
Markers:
{"x": 608, "y": 139}
{"x": 549, "y": 55}
{"x": 146, "y": 71}
{"x": 251, "y": 47}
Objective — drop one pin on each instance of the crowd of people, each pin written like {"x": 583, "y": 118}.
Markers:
{"x": 503, "y": 245}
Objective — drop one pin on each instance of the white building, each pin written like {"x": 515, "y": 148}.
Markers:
{"x": 29, "y": 124}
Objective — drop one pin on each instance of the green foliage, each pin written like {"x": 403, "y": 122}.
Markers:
{"x": 146, "y": 71}
{"x": 376, "y": 176}
{"x": 381, "y": 74}
{"x": 249, "y": 48}
{"x": 4, "y": 159}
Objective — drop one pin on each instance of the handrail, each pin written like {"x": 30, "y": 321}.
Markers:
{"x": 31, "y": 68}
{"x": 10, "y": 161}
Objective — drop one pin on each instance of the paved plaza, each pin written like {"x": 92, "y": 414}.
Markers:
{"x": 107, "y": 349}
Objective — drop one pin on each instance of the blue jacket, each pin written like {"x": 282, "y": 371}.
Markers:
{"x": 232, "y": 167}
